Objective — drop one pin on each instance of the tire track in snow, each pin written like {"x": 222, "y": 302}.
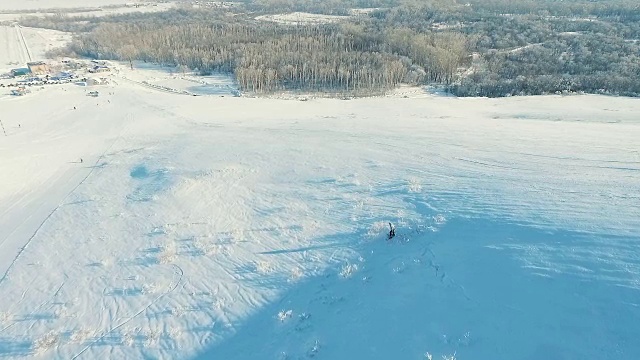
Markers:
{"x": 20, "y": 201}
{"x": 158, "y": 88}
{"x": 177, "y": 271}
{"x": 37, "y": 308}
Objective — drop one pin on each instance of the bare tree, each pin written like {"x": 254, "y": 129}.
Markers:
{"x": 128, "y": 52}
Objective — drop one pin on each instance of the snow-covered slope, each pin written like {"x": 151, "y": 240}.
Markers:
{"x": 14, "y": 51}
{"x": 235, "y": 228}
{"x": 20, "y": 45}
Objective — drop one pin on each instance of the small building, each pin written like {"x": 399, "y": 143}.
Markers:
{"x": 38, "y": 67}
{"x": 20, "y": 72}
{"x": 100, "y": 62}
{"x": 97, "y": 81}
{"x": 61, "y": 77}
{"x": 71, "y": 64}
{"x": 99, "y": 69}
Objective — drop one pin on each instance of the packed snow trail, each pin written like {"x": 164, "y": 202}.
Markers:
{"x": 229, "y": 227}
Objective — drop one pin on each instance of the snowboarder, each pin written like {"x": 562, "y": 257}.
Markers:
{"x": 81, "y": 161}
{"x": 74, "y": 108}
{"x": 392, "y": 231}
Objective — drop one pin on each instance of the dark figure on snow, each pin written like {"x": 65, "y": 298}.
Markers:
{"x": 81, "y": 161}
{"x": 392, "y": 231}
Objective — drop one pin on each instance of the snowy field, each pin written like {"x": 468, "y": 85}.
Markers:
{"x": 301, "y": 18}
{"x": 39, "y": 41}
{"x": 95, "y": 11}
{"x": 172, "y": 79}
{"x": 7, "y": 5}
{"x": 305, "y": 18}
{"x": 145, "y": 224}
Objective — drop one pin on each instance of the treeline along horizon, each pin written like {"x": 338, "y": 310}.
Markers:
{"x": 528, "y": 47}
{"x": 266, "y": 57}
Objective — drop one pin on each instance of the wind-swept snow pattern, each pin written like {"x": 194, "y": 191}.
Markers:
{"x": 239, "y": 228}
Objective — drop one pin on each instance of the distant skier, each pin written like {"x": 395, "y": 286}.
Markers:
{"x": 74, "y": 108}
{"x": 392, "y": 231}
{"x": 81, "y": 161}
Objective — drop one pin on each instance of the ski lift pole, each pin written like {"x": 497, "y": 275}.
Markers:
{"x": 3, "y": 130}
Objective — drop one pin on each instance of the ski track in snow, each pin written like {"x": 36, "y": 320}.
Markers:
{"x": 172, "y": 287}
{"x": 13, "y": 46}
{"x": 52, "y": 212}
{"x": 225, "y": 228}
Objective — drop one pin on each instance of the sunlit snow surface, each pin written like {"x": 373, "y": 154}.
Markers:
{"x": 239, "y": 228}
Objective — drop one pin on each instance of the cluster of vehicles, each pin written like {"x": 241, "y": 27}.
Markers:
{"x": 62, "y": 78}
